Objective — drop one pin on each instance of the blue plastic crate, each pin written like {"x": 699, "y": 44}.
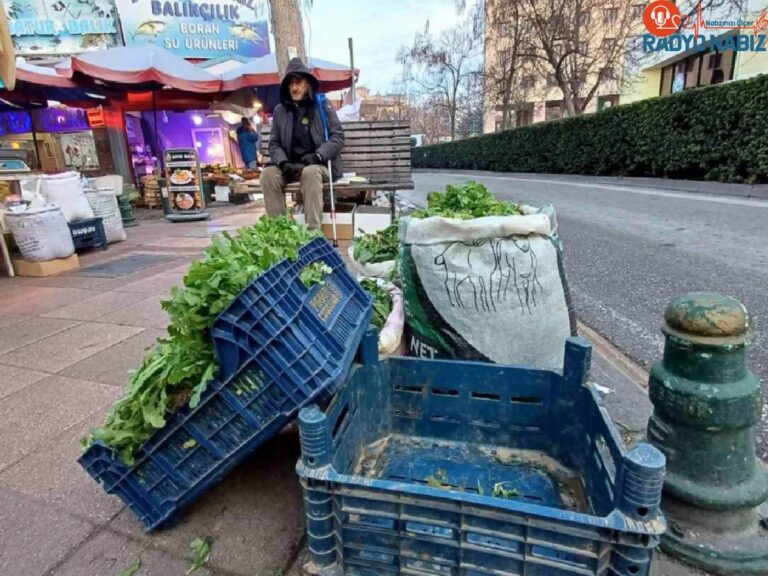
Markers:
{"x": 278, "y": 346}
{"x": 404, "y": 472}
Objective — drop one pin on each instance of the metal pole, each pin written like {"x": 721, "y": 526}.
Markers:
{"x": 157, "y": 132}
{"x": 352, "y": 67}
{"x": 34, "y": 139}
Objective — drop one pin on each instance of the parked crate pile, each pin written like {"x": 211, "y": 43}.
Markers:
{"x": 278, "y": 346}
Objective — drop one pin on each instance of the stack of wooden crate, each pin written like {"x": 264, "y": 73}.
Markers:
{"x": 151, "y": 191}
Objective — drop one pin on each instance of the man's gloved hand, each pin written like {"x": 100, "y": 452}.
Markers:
{"x": 290, "y": 170}
{"x": 312, "y": 158}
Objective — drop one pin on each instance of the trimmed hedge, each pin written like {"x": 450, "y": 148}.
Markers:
{"x": 714, "y": 133}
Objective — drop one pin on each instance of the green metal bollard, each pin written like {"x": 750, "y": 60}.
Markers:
{"x": 126, "y": 208}
{"x": 706, "y": 406}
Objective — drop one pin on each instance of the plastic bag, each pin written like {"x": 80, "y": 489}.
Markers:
{"x": 66, "y": 190}
{"x": 391, "y": 334}
{"x": 374, "y": 269}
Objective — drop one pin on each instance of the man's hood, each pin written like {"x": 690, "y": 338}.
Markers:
{"x": 297, "y": 67}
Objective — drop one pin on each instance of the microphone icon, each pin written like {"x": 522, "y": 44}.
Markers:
{"x": 660, "y": 16}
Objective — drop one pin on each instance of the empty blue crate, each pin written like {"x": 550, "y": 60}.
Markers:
{"x": 279, "y": 346}
{"x": 459, "y": 468}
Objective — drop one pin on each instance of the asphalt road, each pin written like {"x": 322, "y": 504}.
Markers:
{"x": 630, "y": 250}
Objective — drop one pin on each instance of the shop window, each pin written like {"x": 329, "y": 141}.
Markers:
{"x": 527, "y": 82}
{"x": 553, "y": 110}
{"x": 211, "y": 145}
{"x": 524, "y": 117}
{"x": 715, "y": 60}
{"x": 667, "y": 77}
{"x": 610, "y": 16}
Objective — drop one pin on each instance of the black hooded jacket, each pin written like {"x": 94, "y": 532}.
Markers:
{"x": 281, "y": 142}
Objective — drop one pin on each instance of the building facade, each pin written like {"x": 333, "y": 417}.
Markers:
{"x": 532, "y": 95}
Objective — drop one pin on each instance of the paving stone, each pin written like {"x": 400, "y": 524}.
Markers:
{"x": 37, "y": 300}
{"x": 66, "y": 348}
{"x": 121, "y": 281}
{"x": 146, "y": 313}
{"x": 46, "y": 409}
{"x": 109, "y": 554}
{"x": 10, "y": 319}
{"x": 13, "y": 379}
{"x": 158, "y": 284}
{"x": 30, "y": 330}
{"x": 67, "y": 280}
{"x": 103, "y": 304}
{"x": 254, "y": 518}
{"x": 34, "y": 536}
{"x": 70, "y": 488}
{"x": 111, "y": 366}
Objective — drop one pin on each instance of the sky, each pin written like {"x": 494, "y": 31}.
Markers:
{"x": 378, "y": 30}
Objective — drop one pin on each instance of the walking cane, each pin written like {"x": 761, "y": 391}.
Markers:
{"x": 320, "y": 100}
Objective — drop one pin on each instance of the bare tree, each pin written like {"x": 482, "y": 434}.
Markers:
{"x": 505, "y": 59}
{"x": 440, "y": 66}
{"x": 470, "y": 106}
{"x": 579, "y": 45}
{"x": 288, "y": 30}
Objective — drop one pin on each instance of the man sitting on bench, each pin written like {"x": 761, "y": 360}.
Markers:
{"x": 297, "y": 146}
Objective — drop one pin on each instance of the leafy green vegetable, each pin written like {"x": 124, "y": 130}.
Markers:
{"x": 314, "y": 274}
{"x": 472, "y": 200}
{"x": 382, "y": 303}
{"x": 377, "y": 247}
{"x": 201, "y": 549}
{"x": 189, "y": 444}
{"x": 132, "y": 569}
{"x": 500, "y": 492}
{"x": 177, "y": 370}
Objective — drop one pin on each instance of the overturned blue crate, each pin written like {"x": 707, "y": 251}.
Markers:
{"x": 278, "y": 346}
{"x": 459, "y": 468}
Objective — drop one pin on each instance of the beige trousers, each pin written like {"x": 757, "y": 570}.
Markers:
{"x": 273, "y": 184}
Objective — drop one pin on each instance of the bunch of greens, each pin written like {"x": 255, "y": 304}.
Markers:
{"x": 382, "y": 303}
{"x": 472, "y": 200}
{"x": 380, "y": 246}
{"x": 179, "y": 367}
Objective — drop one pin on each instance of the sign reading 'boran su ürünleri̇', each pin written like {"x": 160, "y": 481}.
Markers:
{"x": 194, "y": 29}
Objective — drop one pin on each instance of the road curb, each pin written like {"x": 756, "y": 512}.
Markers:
{"x": 605, "y": 348}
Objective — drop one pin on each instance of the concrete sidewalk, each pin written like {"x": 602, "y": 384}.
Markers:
{"x": 65, "y": 347}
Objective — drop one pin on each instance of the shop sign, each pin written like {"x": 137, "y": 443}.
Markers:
{"x": 15, "y": 123}
{"x": 61, "y": 27}
{"x": 60, "y": 119}
{"x": 197, "y": 29}
{"x": 679, "y": 84}
{"x": 182, "y": 175}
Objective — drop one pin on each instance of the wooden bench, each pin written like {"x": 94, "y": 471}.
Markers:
{"x": 377, "y": 151}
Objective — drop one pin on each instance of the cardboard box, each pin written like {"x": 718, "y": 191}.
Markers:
{"x": 46, "y": 268}
{"x": 345, "y": 221}
{"x": 370, "y": 219}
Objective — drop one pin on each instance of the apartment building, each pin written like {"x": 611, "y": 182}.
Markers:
{"x": 533, "y": 95}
